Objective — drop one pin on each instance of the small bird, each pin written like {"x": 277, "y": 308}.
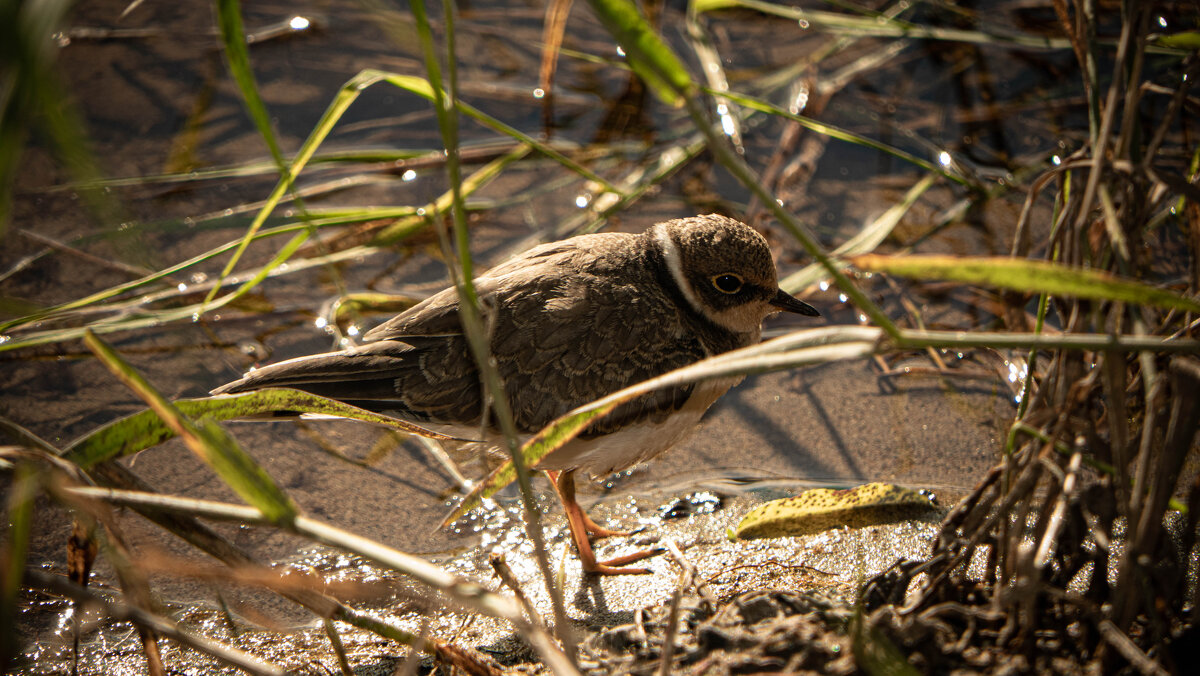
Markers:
{"x": 569, "y": 322}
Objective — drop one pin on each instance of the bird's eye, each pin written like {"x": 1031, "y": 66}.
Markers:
{"x": 727, "y": 283}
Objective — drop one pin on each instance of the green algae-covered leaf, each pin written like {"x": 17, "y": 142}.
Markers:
{"x": 204, "y": 438}
{"x": 822, "y": 508}
{"x": 1020, "y": 274}
{"x": 146, "y": 429}
{"x": 239, "y": 470}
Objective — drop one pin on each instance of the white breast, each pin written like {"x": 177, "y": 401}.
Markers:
{"x": 610, "y": 453}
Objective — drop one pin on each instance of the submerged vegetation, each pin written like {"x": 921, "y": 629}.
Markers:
{"x": 1075, "y": 284}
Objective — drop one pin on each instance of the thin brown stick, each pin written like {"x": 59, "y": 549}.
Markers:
{"x": 687, "y": 576}
{"x": 553, "y": 30}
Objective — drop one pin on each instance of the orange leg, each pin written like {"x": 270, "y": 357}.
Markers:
{"x": 581, "y": 525}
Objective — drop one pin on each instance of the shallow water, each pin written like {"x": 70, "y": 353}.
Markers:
{"x": 161, "y": 102}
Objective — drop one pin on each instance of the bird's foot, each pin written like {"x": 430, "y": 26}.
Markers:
{"x": 600, "y": 531}
{"x": 614, "y": 565}
{"x": 582, "y": 528}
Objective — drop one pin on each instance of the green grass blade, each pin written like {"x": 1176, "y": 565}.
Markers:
{"x": 18, "y": 510}
{"x": 249, "y": 169}
{"x": 799, "y": 348}
{"x": 865, "y": 241}
{"x": 346, "y": 96}
{"x": 478, "y": 179}
{"x": 408, "y": 223}
{"x": 127, "y": 319}
{"x": 146, "y": 429}
{"x": 233, "y": 37}
{"x": 206, "y": 439}
{"x": 555, "y": 435}
{"x": 421, "y": 87}
{"x": 877, "y": 25}
{"x": 1018, "y": 274}
{"x": 33, "y": 97}
{"x": 650, "y": 57}
{"x": 845, "y": 135}
{"x": 120, "y": 289}
{"x": 240, "y": 471}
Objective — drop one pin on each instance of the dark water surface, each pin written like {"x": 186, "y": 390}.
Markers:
{"x": 158, "y": 100}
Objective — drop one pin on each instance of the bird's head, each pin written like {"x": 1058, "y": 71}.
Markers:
{"x": 724, "y": 269}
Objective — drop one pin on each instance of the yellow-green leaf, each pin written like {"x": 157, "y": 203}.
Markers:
{"x": 351, "y": 305}
{"x": 822, "y": 508}
{"x": 1019, "y": 274}
{"x": 1189, "y": 40}
{"x": 701, "y": 6}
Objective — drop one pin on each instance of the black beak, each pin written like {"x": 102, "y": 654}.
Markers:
{"x": 785, "y": 301}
